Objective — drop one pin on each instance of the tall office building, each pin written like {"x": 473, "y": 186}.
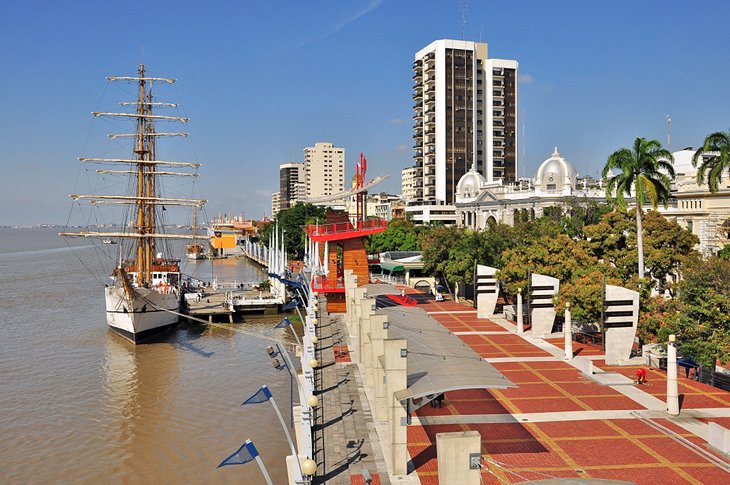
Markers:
{"x": 465, "y": 115}
{"x": 324, "y": 169}
{"x": 291, "y": 184}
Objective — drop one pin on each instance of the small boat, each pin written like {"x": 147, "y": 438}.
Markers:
{"x": 195, "y": 251}
{"x": 144, "y": 296}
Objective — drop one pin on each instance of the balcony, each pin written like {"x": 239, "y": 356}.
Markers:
{"x": 345, "y": 230}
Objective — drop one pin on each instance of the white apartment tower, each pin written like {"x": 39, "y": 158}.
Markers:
{"x": 324, "y": 169}
{"x": 465, "y": 115}
{"x": 407, "y": 183}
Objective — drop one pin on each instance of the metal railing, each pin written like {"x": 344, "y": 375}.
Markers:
{"x": 345, "y": 227}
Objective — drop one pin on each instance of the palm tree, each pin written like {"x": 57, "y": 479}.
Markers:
{"x": 647, "y": 171}
{"x": 716, "y": 149}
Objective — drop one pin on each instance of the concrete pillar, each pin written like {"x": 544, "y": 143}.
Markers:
{"x": 672, "y": 386}
{"x": 568, "y": 333}
{"x": 453, "y": 452}
{"x": 396, "y": 374}
{"x": 377, "y": 337}
{"x": 520, "y": 323}
{"x": 374, "y": 349}
{"x": 363, "y": 326}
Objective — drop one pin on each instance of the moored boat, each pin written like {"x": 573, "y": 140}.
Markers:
{"x": 144, "y": 296}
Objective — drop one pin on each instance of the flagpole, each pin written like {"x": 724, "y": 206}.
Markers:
{"x": 288, "y": 436}
{"x": 264, "y": 471}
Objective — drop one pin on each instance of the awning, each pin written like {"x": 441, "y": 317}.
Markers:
{"x": 392, "y": 266}
{"x": 438, "y": 360}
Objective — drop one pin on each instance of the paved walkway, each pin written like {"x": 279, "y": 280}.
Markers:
{"x": 561, "y": 423}
{"x": 344, "y": 434}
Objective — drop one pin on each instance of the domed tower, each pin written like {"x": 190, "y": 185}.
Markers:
{"x": 470, "y": 186}
{"x": 556, "y": 176}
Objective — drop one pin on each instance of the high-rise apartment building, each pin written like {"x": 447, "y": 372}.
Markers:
{"x": 291, "y": 184}
{"x": 275, "y": 204}
{"x": 408, "y": 183}
{"x": 324, "y": 169}
{"x": 465, "y": 115}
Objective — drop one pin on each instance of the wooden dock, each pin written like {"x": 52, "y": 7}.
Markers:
{"x": 211, "y": 305}
{"x": 227, "y": 304}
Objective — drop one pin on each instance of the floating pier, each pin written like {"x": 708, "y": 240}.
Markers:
{"x": 227, "y": 300}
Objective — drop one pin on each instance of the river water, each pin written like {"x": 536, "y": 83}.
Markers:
{"x": 79, "y": 404}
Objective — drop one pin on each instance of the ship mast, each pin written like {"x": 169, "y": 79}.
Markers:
{"x": 143, "y": 167}
{"x": 142, "y": 151}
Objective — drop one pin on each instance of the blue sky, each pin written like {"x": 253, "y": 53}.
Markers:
{"x": 262, "y": 80}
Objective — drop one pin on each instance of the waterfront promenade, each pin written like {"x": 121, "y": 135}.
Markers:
{"x": 558, "y": 422}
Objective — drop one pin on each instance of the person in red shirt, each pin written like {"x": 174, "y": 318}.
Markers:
{"x": 641, "y": 376}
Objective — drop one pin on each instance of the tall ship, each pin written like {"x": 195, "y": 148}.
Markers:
{"x": 144, "y": 293}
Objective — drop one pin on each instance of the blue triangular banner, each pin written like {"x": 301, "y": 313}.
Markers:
{"x": 284, "y": 323}
{"x": 247, "y": 452}
{"x": 262, "y": 395}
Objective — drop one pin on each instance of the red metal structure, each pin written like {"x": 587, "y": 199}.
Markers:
{"x": 346, "y": 240}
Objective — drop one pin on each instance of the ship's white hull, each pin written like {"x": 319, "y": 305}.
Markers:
{"x": 142, "y": 317}
{"x": 196, "y": 255}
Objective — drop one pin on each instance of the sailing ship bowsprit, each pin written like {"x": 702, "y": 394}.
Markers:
{"x": 144, "y": 296}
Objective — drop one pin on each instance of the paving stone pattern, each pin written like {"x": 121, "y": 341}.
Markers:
{"x": 343, "y": 423}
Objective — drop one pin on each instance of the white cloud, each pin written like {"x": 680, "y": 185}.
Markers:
{"x": 526, "y": 79}
{"x": 403, "y": 148}
{"x": 397, "y": 121}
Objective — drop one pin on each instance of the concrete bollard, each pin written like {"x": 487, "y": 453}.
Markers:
{"x": 454, "y": 452}
{"x": 568, "y": 333}
{"x": 584, "y": 364}
{"x": 672, "y": 386}
{"x": 520, "y": 323}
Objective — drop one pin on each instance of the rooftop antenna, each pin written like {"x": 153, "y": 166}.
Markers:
{"x": 464, "y": 9}
{"x": 669, "y": 133}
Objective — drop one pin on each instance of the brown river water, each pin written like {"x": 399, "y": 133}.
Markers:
{"x": 79, "y": 404}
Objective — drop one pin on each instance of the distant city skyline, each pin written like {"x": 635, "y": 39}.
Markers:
{"x": 260, "y": 81}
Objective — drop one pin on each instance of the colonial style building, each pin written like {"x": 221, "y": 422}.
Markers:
{"x": 480, "y": 203}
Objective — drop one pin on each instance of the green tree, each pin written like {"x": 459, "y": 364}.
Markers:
{"x": 715, "y": 156}
{"x": 581, "y": 213}
{"x": 560, "y": 257}
{"x": 584, "y": 292}
{"x": 435, "y": 242}
{"x": 401, "y": 235}
{"x": 700, "y": 316}
{"x": 724, "y": 253}
{"x": 614, "y": 239}
{"x": 647, "y": 171}
{"x": 293, "y": 221}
